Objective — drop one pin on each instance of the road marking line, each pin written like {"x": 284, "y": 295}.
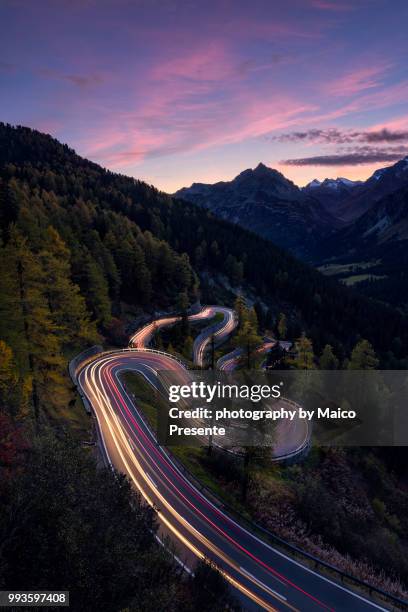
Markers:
{"x": 175, "y": 557}
{"x": 262, "y": 584}
{"x": 101, "y": 401}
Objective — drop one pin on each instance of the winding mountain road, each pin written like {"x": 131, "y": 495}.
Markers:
{"x": 265, "y": 578}
{"x": 219, "y": 331}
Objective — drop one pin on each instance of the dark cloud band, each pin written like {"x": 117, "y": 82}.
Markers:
{"x": 350, "y": 159}
{"x": 336, "y": 136}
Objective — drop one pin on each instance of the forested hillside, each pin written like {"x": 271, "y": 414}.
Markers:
{"x": 78, "y": 245}
{"x": 79, "y": 241}
{"x": 69, "y": 261}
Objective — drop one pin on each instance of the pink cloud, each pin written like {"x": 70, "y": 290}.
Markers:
{"x": 186, "y": 106}
{"x": 400, "y": 123}
{"x": 187, "y": 101}
{"x": 49, "y": 125}
{"x": 391, "y": 95}
{"x": 356, "y": 81}
{"x": 208, "y": 64}
{"x": 384, "y": 98}
{"x": 203, "y": 95}
{"x": 168, "y": 125}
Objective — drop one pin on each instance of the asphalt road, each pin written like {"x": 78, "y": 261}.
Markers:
{"x": 265, "y": 578}
{"x": 219, "y": 331}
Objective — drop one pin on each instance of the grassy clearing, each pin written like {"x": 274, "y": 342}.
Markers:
{"x": 358, "y": 278}
{"x": 193, "y": 460}
{"x": 198, "y": 326}
{"x": 146, "y": 398}
{"x": 216, "y": 319}
{"x": 335, "y": 269}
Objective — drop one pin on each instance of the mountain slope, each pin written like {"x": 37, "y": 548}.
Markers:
{"x": 332, "y": 193}
{"x": 385, "y": 221}
{"x": 264, "y": 201}
{"x": 127, "y": 242}
{"x": 354, "y": 231}
{"x": 376, "y": 246}
{"x": 383, "y": 182}
{"x": 371, "y": 252}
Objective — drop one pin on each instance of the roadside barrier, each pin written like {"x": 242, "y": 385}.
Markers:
{"x": 382, "y": 597}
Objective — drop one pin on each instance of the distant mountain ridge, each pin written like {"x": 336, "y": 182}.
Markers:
{"x": 332, "y": 223}
{"x": 385, "y": 218}
{"x": 266, "y": 202}
{"x": 332, "y": 183}
{"x": 332, "y": 193}
{"x": 342, "y": 198}
{"x": 383, "y": 182}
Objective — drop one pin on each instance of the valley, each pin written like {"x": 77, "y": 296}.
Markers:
{"x": 353, "y": 231}
{"x": 204, "y": 305}
{"x": 97, "y": 257}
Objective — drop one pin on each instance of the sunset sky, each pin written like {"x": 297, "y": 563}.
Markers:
{"x": 176, "y": 91}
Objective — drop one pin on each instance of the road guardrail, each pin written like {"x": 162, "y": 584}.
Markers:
{"x": 93, "y": 352}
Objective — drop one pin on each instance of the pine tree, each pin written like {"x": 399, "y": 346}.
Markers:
{"x": 95, "y": 289}
{"x": 209, "y": 591}
{"x": 200, "y": 254}
{"x": 182, "y": 302}
{"x": 182, "y": 272}
{"x": 159, "y": 341}
{"x": 234, "y": 269}
{"x": 184, "y": 325}
{"x": 248, "y": 339}
{"x": 66, "y": 304}
{"x": 136, "y": 280}
{"x": 363, "y": 357}
{"x": 9, "y": 203}
{"x": 261, "y": 314}
{"x": 253, "y": 319}
{"x": 8, "y": 377}
{"x": 35, "y": 336}
{"x": 328, "y": 360}
{"x": 214, "y": 253}
{"x": 282, "y": 326}
{"x": 240, "y": 308}
{"x": 304, "y": 359}
{"x": 188, "y": 347}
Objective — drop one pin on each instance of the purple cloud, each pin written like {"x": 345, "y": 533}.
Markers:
{"x": 360, "y": 156}
{"x": 83, "y": 81}
{"x": 336, "y": 136}
{"x": 80, "y": 80}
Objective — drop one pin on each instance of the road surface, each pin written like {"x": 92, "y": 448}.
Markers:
{"x": 265, "y": 578}
{"x": 291, "y": 437}
{"x": 220, "y": 331}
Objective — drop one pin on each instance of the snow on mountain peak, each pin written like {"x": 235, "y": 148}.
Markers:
{"x": 335, "y": 183}
{"x": 348, "y": 182}
{"x": 314, "y": 183}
